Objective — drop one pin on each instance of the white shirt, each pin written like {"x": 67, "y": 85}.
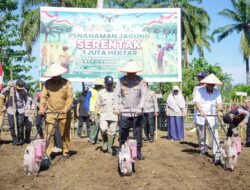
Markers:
{"x": 208, "y": 102}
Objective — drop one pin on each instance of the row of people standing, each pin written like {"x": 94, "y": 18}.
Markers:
{"x": 130, "y": 100}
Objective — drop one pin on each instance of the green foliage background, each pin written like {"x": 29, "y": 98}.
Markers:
{"x": 12, "y": 56}
{"x": 190, "y": 81}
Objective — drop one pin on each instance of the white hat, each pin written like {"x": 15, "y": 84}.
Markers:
{"x": 99, "y": 82}
{"x": 131, "y": 67}
{"x": 247, "y": 99}
{"x": 211, "y": 79}
{"x": 176, "y": 88}
{"x": 55, "y": 70}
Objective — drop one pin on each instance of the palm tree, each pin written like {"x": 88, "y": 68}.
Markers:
{"x": 240, "y": 15}
{"x": 125, "y": 3}
{"x": 31, "y": 17}
{"x": 194, "y": 25}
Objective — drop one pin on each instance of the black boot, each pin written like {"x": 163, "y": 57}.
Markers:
{"x": 247, "y": 144}
{"x": 146, "y": 138}
{"x": 27, "y": 136}
{"x": 140, "y": 156}
{"x": 20, "y": 139}
{"x": 15, "y": 141}
{"x": 41, "y": 136}
{"x": 151, "y": 139}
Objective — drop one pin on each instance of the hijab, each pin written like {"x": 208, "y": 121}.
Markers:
{"x": 176, "y": 101}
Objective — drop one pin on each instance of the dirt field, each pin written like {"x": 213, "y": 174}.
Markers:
{"x": 167, "y": 165}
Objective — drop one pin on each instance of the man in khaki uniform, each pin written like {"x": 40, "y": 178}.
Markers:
{"x": 108, "y": 120}
{"x": 129, "y": 100}
{"x": 2, "y": 111}
{"x": 150, "y": 111}
{"x": 58, "y": 94}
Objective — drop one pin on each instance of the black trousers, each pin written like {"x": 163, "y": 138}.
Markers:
{"x": 28, "y": 126}
{"x": 148, "y": 121}
{"x": 248, "y": 131}
{"x": 125, "y": 124}
{"x": 20, "y": 125}
{"x": 39, "y": 122}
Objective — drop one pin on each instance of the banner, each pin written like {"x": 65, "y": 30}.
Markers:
{"x": 94, "y": 43}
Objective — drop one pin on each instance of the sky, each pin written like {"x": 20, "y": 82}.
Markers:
{"x": 226, "y": 53}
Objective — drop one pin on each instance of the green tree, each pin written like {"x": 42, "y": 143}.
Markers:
{"x": 240, "y": 17}
{"x": 239, "y": 88}
{"x": 125, "y": 3}
{"x": 11, "y": 54}
{"x": 30, "y": 26}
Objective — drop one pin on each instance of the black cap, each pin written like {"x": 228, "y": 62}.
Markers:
{"x": 20, "y": 84}
{"x": 108, "y": 80}
{"x": 201, "y": 74}
{"x": 227, "y": 119}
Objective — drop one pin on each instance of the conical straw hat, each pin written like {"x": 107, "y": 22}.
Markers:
{"x": 99, "y": 82}
{"x": 211, "y": 79}
{"x": 131, "y": 67}
{"x": 55, "y": 70}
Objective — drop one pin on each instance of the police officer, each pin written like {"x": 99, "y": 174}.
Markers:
{"x": 58, "y": 94}
{"x": 17, "y": 95}
{"x": 129, "y": 100}
{"x": 108, "y": 120}
{"x": 150, "y": 111}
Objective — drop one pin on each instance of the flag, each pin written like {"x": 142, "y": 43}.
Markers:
{"x": 1, "y": 76}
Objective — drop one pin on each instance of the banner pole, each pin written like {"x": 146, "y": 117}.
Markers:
{"x": 100, "y": 4}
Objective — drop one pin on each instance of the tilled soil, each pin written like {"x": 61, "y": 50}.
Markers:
{"x": 167, "y": 165}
